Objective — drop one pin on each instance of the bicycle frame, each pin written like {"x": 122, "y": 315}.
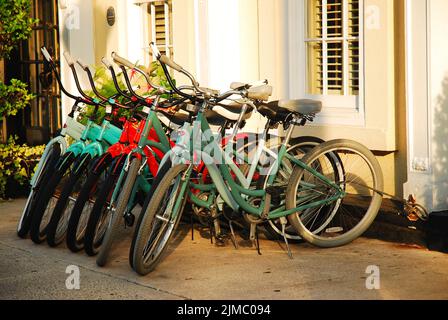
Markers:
{"x": 144, "y": 150}
{"x": 223, "y": 180}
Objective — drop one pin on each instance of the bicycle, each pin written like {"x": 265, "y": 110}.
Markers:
{"x": 91, "y": 157}
{"x": 312, "y": 185}
{"x": 86, "y": 213}
{"x": 76, "y": 155}
{"x": 54, "y": 149}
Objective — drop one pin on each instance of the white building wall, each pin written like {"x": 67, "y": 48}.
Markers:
{"x": 77, "y": 38}
{"x": 427, "y": 101}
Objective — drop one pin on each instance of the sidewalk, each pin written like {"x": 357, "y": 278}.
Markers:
{"x": 198, "y": 270}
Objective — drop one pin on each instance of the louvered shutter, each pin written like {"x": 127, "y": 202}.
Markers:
{"x": 333, "y": 47}
{"x": 160, "y": 13}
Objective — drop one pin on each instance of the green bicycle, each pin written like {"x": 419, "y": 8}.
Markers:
{"x": 327, "y": 207}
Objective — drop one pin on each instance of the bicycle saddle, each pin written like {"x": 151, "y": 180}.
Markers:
{"x": 230, "y": 112}
{"x": 278, "y": 111}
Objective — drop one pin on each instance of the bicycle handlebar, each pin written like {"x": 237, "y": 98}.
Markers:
{"x": 82, "y": 65}
{"x": 122, "y": 61}
{"x": 106, "y": 63}
{"x": 58, "y": 78}
{"x": 96, "y": 91}
{"x": 126, "y": 63}
{"x": 46, "y": 54}
{"x": 114, "y": 78}
{"x": 69, "y": 59}
{"x": 155, "y": 50}
{"x": 164, "y": 59}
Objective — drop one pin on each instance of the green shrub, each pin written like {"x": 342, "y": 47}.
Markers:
{"x": 13, "y": 97}
{"x": 15, "y": 24}
{"x": 18, "y": 162}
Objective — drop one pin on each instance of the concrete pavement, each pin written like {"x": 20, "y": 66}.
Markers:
{"x": 198, "y": 270}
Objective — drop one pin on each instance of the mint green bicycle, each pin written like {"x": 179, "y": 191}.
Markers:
{"x": 327, "y": 206}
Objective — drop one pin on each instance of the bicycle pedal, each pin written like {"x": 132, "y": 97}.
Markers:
{"x": 129, "y": 219}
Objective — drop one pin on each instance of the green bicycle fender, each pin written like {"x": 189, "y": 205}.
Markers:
{"x": 94, "y": 149}
{"x": 77, "y": 148}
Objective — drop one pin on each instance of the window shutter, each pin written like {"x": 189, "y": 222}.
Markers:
{"x": 333, "y": 47}
{"x": 160, "y": 12}
{"x": 353, "y": 16}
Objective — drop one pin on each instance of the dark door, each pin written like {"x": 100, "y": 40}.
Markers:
{"x": 37, "y": 123}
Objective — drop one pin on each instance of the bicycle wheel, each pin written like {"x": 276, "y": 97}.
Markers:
{"x": 57, "y": 227}
{"x": 84, "y": 203}
{"x": 100, "y": 215}
{"x": 160, "y": 221}
{"x": 158, "y": 179}
{"x": 54, "y": 154}
{"x": 361, "y": 183}
{"x": 298, "y": 148}
{"x": 47, "y": 198}
{"x": 117, "y": 215}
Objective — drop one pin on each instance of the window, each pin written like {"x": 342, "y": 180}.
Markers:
{"x": 332, "y": 47}
{"x": 160, "y": 13}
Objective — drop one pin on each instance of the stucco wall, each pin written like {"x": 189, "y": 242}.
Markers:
{"x": 234, "y": 40}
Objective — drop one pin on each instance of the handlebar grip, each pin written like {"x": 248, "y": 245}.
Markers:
{"x": 165, "y": 60}
{"x": 46, "y": 54}
{"x": 155, "y": 50}
{"x": 106, "y": 62}
{"x": 84, "y": 66}
{"x": 122, "y": 61}
{"x": 68, "y": 58}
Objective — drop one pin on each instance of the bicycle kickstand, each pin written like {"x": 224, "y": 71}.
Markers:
{"x": 232, "y": 235}
{"x": 254, "y": 236}
{"x": 283, "y": 222}
{"x": 192, "y": 227}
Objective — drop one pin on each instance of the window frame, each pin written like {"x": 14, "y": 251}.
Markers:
{"x": 344, "y": 109}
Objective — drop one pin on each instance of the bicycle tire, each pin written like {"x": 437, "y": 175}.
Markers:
{"x": 23, "y": 226}
{"x": 38, "y": 234}
{"x": 273, "y": 230}
{"x": 145, "y": 230}
{"x": 62, "y": 211}
{"x": 117, "y": 216}
{"x": 75, "y": 237}
{"x": 92, "y": 243}
{"x": 372, "y": 210}
{"x": 158, "y": 179}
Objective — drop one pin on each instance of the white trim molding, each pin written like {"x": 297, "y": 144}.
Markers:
{"x": 427, "y": 102}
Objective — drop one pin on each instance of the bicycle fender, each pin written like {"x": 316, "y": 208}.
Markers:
{"x": 94, "y": 149}
{"x": 77, "y": 148}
